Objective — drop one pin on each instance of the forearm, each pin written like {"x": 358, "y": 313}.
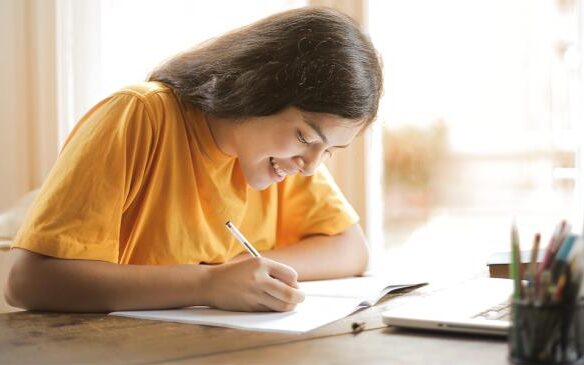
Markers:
{"x": 44, "y": 283}
{"x": 325, "y": 257}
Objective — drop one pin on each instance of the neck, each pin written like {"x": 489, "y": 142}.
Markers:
{"x": 222, "y": 131}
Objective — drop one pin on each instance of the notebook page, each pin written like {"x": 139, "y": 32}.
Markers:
{"x": 368, "y": 290}
{"x": 325, "y": 301}
{"x": 314, "y": 312}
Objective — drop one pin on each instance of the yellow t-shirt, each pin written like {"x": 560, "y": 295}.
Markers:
{"x": 140, "y": 180}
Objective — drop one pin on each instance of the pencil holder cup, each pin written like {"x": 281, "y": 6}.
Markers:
{"x": 547, "y": 333}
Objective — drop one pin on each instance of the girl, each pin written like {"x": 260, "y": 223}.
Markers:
{"x": 132, "y": 216}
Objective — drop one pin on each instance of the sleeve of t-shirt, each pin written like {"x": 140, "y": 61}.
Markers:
{"x": 78, "y": 212}
{"x": 312, "y": 205}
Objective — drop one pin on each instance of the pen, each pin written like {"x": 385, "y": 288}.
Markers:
{"x": 549, "y": 252}
{"x": 566, "y": 247}
{"x": 534, "y": 254}
{"x": 515, "y": 262}
{"x": 515, "y": 275}
{"x": 560, "y": 260}
{"x": 530, "y": 274}
{"x": 248, "y": 246}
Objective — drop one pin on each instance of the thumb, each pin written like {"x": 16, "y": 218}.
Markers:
{"x": 284, "y": 273}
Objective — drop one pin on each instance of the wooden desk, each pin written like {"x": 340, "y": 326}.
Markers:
{"x": 51, "y": 338}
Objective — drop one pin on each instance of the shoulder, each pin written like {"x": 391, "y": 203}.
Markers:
{"x": 158, "y": 99}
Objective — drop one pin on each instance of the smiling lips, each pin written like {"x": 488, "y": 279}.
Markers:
{"x": 277, "y": 169}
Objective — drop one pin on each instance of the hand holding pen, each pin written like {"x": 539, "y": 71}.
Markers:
{"x": 254, "y": 284}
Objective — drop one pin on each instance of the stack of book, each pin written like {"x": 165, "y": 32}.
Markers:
{"x": 499, "y": 263}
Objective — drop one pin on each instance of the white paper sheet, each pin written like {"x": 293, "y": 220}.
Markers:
{"x": 326, "y": 301}
{"x": 310, "y": 314}
{"x": 369, "y": 288}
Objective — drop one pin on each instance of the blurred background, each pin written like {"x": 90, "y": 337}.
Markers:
{"x": 481, "y": 119}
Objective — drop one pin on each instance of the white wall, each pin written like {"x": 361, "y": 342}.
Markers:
{"x": 13, "y": 111}
{"x": 28, "y": 126}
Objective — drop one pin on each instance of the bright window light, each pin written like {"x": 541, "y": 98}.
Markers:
{"x": 481, "y": 121}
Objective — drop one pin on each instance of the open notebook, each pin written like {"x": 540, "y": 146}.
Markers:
{"x": 326, "y": 301}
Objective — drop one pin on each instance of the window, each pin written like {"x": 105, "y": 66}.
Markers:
{"x": 482, "y": 121}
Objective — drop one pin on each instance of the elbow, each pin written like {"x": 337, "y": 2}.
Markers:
{"x": 13, "y": 290}
{"x": 18, "y": 290}
{"x": 359, "y": 259}
{"x": 14, "y": 298}
{"x": 8, "y": 296}
{"x": 366, "y": 258}
{"x": 362, "y": 258}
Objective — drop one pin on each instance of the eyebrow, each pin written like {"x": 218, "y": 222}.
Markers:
{"x": 318, "y": 131}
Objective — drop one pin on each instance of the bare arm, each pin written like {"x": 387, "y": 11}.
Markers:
{"x": 43, "y": 283}
{"x": 326, "y": 257}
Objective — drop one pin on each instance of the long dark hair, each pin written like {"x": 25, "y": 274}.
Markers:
{"x": 315, "y": 59}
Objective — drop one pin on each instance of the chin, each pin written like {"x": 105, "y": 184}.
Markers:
{"x": 257, "y": 177}
{"x": 258, "y": 184}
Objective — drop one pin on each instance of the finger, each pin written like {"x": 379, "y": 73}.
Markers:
{"x": 283, "y": 292}
{"x": 283, "y": 273}
{"x": 275, "y": 304}
{"x": 262, "y": 308}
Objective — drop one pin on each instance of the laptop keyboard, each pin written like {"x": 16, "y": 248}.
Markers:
{"x": 498, "y": 312}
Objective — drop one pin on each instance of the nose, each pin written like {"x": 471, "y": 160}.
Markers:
{"x": 308, "y": 163}
{"x": 299, "y": 162}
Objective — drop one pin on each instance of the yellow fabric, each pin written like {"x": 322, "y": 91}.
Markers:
{"x": 141, "y": 181}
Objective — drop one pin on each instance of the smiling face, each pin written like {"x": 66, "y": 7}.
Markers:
{"x": 293, "y": 141}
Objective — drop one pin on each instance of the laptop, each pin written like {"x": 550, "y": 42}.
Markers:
{"x": 480, "y": 306}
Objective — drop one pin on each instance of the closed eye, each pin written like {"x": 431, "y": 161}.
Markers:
{"x": 301, "y": 138}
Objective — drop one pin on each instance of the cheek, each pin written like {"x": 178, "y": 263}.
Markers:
{"x": 285, "y": 148}
{"x": 270, "y": 145}
{"x": 276, "y": 150}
